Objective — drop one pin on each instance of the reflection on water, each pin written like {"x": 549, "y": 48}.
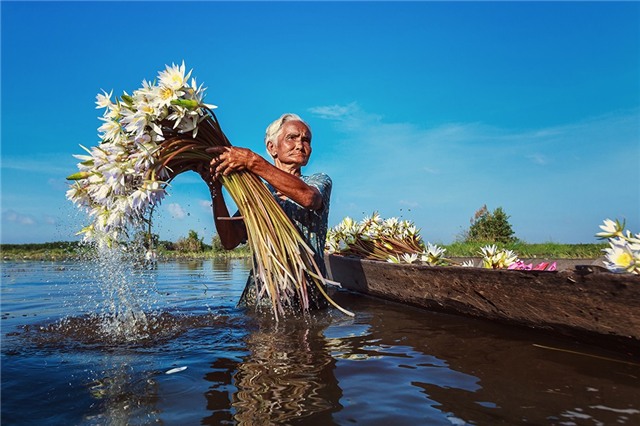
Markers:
{"x": 123, "y": 395}
{"x": 287, "y": 375}
{"x": 460, "y": 371}
{"x": 389, "y": 365}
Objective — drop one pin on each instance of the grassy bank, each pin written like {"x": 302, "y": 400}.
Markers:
{"x": 73, "y": 250}
{"x": 60, "y": 250}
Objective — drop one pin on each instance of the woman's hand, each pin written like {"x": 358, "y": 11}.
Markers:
{"x": 231, "y": 159}
{"x": 205, "y": 172}
{"x": 231, "y": 232}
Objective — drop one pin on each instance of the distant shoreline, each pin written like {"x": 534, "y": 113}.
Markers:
{"x": 66, "y": 250}
{"x": 70, "y": 250}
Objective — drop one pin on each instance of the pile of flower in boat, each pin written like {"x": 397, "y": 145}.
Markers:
{"x": 495, "y": 258}
{"x": 152, "y": 135}
{"x": 392, "y": 240}
{"x": 399, "y": 241}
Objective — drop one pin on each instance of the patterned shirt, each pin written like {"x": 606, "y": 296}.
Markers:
{"x": 312, "y": 224}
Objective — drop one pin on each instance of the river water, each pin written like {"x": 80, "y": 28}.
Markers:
{"x": 125, "y": 346}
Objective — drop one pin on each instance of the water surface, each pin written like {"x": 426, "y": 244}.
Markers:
{"x": 68, "y": 359}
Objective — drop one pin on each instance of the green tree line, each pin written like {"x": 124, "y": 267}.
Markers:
{"x": 486, "y": 227}
{"x": 191, "y": 245}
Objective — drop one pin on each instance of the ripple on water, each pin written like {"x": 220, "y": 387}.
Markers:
{"x": 104, "y": 332}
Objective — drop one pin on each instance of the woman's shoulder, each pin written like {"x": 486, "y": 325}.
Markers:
{"x": 317, "y": 178}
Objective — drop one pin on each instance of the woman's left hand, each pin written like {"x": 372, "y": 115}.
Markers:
{"x": 207, "y": 176}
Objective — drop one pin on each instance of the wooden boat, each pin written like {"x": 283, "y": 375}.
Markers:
{"x": 580, "y": 300}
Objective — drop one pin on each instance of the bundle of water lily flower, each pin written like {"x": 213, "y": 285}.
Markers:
{"x": 152, "y": 135}
{"x": 399, "y": 241}
{"x": 623, "y": 253}
{"x": 495, "y": 258}
{"x": 391, "y": 240}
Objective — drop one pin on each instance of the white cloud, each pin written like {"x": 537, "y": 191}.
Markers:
{"x": 56, "y": 164}
{"x": 59, "y": 184}
{"x": 205, "y": 204}
{"x": 335, "y": 112}
{"x": 50, "y": 220}
{"x": 176, "y": 211}
{"x": 410, "y": 204}
{"x": 13, "y": 216}
{"x": 349, "y": 118}
{"x": 538, "y": 159}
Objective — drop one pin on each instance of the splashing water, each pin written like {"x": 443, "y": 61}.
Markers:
{"x": 127, "y": 293}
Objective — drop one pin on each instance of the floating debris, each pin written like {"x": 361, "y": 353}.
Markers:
{"x": 175, "y": 370}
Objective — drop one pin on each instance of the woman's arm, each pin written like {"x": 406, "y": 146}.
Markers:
{"x": 231, "y": 230}
{"x": 232, "y": 159}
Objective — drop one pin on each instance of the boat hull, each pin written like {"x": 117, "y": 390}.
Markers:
{"x": 583, "y": 302}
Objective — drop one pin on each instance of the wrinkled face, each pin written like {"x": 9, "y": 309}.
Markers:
{"x": 294, "y": 145}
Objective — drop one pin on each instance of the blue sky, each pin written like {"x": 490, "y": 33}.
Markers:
{"x": 420, "y": 110}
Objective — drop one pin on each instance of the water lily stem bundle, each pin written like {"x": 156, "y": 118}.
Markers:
{"x": 284, "y": 264}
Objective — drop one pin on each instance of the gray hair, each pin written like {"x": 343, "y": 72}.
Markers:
{"x": 274, "y": 129}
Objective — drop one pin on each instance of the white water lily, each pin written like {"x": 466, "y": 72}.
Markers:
{"x": 150, "y": 100}
{"x": 621, "y": 258}
{"x": 633, "y": 239}
{"x": 113, "y": 111}
{"x": 409, "y": 257}
{"x": 103, "y": 100}
{"x": 611, "y": 229}
{"x": 394, "y": 259}
{"x": 83, "y": 159}
{"x": 110, "y": 130}
{"x": 507, "y": 257}
{"x": 177, "y": 116}
{"x": 197, "y": 94}
{"x": 189, "y": 124}
{"x": 134, "y": 122}
{"x": 78, "y": 194}
{"x": 489, "y": 251}
{"x": 174, "y": 77}
{"x": 493, "y": 258}
{"x": 433, "y": 255}
{"x": 623, "y": 253}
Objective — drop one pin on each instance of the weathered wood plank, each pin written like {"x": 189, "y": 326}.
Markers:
{"x": 582, "y": 302}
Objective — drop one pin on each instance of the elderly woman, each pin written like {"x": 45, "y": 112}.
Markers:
{"x": 305, "y": 199}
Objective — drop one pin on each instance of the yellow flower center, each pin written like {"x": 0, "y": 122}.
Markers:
{"x": 166, "y": 93}
{"x": 624, "y": 259}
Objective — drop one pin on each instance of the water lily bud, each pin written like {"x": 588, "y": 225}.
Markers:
{"x": 78, "y": 176}
{"x": 127, "y": 99}
{"x": 187, "y": 103}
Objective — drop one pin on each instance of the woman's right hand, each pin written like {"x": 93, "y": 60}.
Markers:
{"x": 229, "y": 159}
